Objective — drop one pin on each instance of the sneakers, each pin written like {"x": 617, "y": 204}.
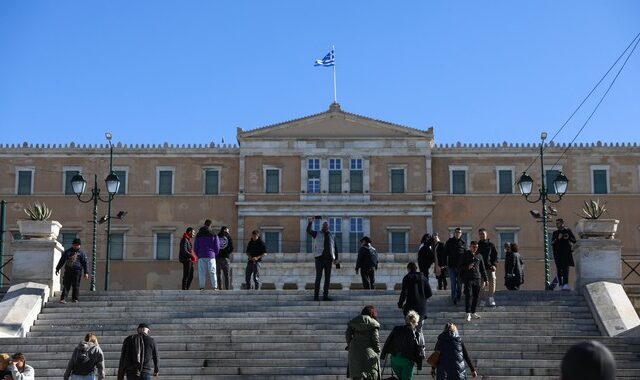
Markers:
{"x": 475, "y": 315}
{"x": 565, "y": 287}
{"x": 75, "y": 301}
{"x": 468, "y": 317}
{"x": 492, "y": 301}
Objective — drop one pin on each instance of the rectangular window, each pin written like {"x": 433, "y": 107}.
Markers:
{"x": 356, "y": 232}
{"x": 315, "y": 226}
{"x": 398, "y": 241}
{"x": 397, "y": 180}
{"x": 505, "y": 182}
{"x": 458, "y": 181}
{"x": 272, "y": 181}
{"x": 313, "y": 175}
{"x": 68, "y": 174}
{"x": 165, "y": 182}
{"x": 600, "y": 181}
{"x": 335, "y": 175}
{"x": 117, "y": 246}
{"x": 122, "y": 176}
{"x": 163, "y": 246}
{"x": 549, "y": 178}
{"x": 355, "y": 176}
{"x": 211, "y": 181}
{"x": 335, "y": 227}
{"x": 505, "y": 237}
{"x": 24, "y": 184}
{"x": 66, "y": 238}
{"x": 272, "y": 241}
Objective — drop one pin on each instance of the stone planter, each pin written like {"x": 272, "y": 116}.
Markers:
{"x": 39, "y": 229}
{"x": 597, "y": 228}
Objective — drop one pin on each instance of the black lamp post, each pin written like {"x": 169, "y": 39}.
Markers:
{"x": 560, "y": 183}
{"x": 79, "y": 185}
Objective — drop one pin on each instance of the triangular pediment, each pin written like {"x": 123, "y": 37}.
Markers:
{"x": 334, "y": 124}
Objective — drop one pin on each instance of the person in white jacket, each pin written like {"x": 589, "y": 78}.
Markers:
{"x": 19, "y": 368}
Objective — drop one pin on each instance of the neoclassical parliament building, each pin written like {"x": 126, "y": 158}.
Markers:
{"x": 364, "y": 176}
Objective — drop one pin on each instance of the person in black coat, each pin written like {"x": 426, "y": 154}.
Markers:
{"x": 454, "y": 248}
{"x": 256, "y": 250}
{"x": 415, "y": 293}
{"x": 223, "y": 260}
{"x": 453, "y": 355}
{"x": 474, "y": 275}
{"x": 426, "y": 257}
{"x": 187, "y": 257}
{"x": 367, "y": 263}
{"x": 405, "y": 348}
{"x": 74, "y": 262}
{"x": 441, "y": 261}
{"x": 139, "y": 356}
{"x": 562, "y": 242}
{"x": 513, "y": 268}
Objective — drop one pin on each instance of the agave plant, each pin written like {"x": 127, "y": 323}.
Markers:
{"x": 593, "y": 209}
{"x": 38, "y": 211}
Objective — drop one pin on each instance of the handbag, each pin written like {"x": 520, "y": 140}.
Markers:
{"x": 392, "y": 377}
{"x": 434, "y": 358}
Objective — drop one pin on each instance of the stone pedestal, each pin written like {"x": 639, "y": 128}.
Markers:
{"x": 597, "y": 260}
{"x": 35, "y": 261}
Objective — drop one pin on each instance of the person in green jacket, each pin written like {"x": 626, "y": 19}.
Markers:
{"x": 363, "y": 344}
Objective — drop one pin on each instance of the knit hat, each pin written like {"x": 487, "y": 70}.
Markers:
{"x": 76, "y": 241}
{"x": 366, "y": 239}
{"x": 143, "y": 326}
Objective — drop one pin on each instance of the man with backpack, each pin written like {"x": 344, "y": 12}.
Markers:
{"x": 367, "y": 263}
{"x": 74, "y": 262}
{"x": 139, "y": 357}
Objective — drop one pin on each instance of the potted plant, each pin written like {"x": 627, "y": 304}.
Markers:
{"x": 591, "y": 225}
{"x": 38, "y": 226}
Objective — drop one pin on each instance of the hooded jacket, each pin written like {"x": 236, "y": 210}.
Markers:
{"x": 95, "y": 363}
{"x": 415, "y": 292}
{"x": 453, "y": 355}
{"x": 226, "y": 245}
{"x": 363, "y": 343}
{"x": 206, "y": 244}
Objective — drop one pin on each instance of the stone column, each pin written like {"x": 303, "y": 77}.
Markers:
{"x": 597, "y": 260}
{"x": 35, "y": 260}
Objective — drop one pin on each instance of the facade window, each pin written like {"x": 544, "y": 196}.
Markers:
{"x": 273, "y": 241}
{"x": 398, "y": 241}
{"x": 211, "y": 181}
{"x": 24, "y": 181}
{"x": 600, "y": 179}
{"x": 397, "y": 180}
{"x": 335, "y": 227}
{"x": 549, "y": 178}
{"x": 313, "y": 175}
{"x": 458, "y": 181}
{"x": 66, "y": 238}
{"x": 505, "y": 237}
{"x": 163, "y": 245}
{"x": 505, "y": 181}
{"x": 335, "y": 175}
{"x": 117, "y": 246}
{"x": 272, "y": 181}
{"x": 165, "y": 181}
{"x": 315, "y": 226}
{"x": 355, "y": 176}
{"x": 68, "y": 174}
{"x": 356, "y": 232}
{"x": 122, "y": 176}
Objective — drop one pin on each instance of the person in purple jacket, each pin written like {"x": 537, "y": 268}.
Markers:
{"x": 207, "y": 246}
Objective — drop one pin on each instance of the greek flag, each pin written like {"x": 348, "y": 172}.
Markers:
{"x": 328, "y": 60}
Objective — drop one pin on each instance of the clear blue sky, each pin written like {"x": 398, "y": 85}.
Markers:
{"x": 192, "y": 71}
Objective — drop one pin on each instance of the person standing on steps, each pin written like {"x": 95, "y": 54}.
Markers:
{"x": 207, "y": 247}
{"x": 367, "y": 263}
{"x": 441, "y": 259}
{"x": 363, "y": 344}
{"x": 139, "y": 356}
{"x": 490, "y": 257}
{"x": 223, "y": 260}
{"x": 187, "y": 257}
{"x": 513, "y": 268}
{"x": 454, "y": 248}
{"x": 325, "y": 251}
{"x": 474, "y": 277}
{"x": 427, "y": 256}
{"x": 74, "y": 262}
{"x": 256, "y": 250}
{"x": 562, "y": 242}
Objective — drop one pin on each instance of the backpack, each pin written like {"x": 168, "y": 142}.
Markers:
{"x": 82, "y": 362}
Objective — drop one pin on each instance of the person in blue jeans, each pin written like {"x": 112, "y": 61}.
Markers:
{"x": 453, "y": 250}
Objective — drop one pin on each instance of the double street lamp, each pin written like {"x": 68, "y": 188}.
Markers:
{"x": 79, "y": 185}
{"x": 560, "y": 183}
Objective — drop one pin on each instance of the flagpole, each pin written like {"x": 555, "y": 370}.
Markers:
{"x": 335, "y": 92}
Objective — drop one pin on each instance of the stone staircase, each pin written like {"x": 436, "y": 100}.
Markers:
{"x": 277, "y": 334}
